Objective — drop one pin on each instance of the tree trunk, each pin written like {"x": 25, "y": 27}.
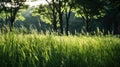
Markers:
{"x": 54, "y": 18}
{"x": 118, "y": 20}
{"x": 67, "y": 26}
{"x": 12, "y": 23}
{"x": 67, "y": 21}
{"x": 13, "y": 16}
{"x": 87, "y": 27}
{"x": 54, "y": 14}
{"x": 86, "y": 19}
{"x": 60, "y": 16}
{"x": 87, "y": 24}
{"x": 61, "y": 22}
{"x": 54, "y": 26}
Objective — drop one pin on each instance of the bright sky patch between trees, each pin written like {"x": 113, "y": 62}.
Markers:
{"x": 35, "y": 3}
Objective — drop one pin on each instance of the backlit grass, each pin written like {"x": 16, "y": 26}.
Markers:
{"x": 38, "y": 50}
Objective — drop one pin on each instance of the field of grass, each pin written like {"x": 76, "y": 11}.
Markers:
{"x": 38, "y": 50}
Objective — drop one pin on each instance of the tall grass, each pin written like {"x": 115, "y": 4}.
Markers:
{"x": 39, "y": 50}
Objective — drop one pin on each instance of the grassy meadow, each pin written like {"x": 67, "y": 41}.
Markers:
{"x": 40, "y": 50}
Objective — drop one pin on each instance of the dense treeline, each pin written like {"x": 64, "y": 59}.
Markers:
{"x": 102, "y": 14}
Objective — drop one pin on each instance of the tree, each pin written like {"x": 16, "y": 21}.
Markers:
{"x": 14, "y": 8}
{"x": 11, "y": 10}
{"x": 52, "y": 6}
{"x": 69, "y": 4}
{"x": 57, "y": 10}
{"x": 110, "y": 22}
{"x": 88, "y": 10}
{"x": 47, "y": 13}
{"x": 112, "y": 16}
{"x": 61, "y": 7}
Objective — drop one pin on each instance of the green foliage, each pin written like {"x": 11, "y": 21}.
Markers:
{"x": 20, "y": 17}
{"x": 112, "y": 4}
{"x": 44, "y": 12}
{"x": 10, "y": 13}
{"x": 92, "y": 8}
{"x": 39, "y": 50}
